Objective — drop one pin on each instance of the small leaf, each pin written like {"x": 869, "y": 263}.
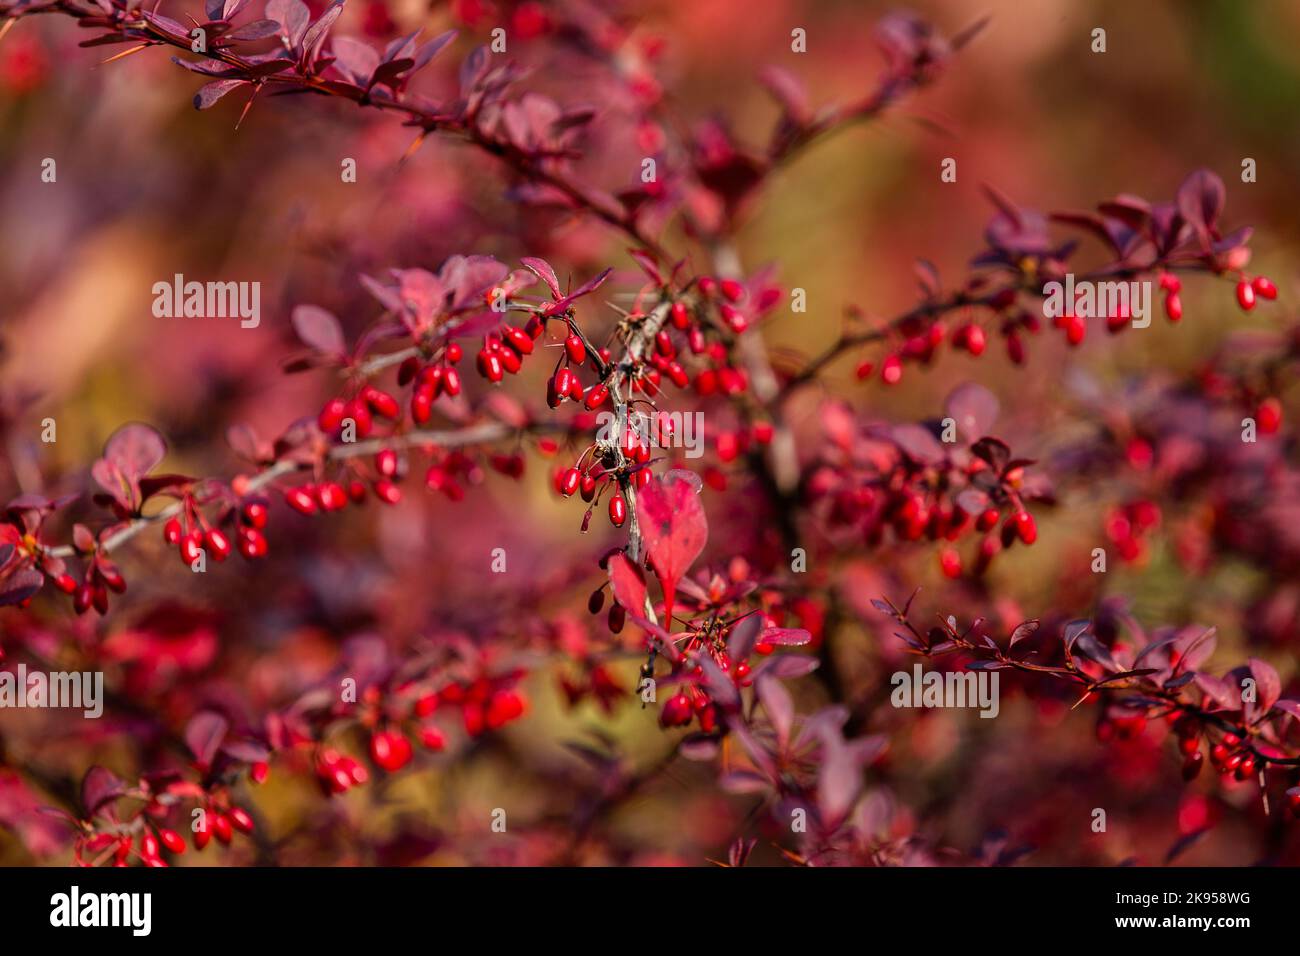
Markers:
{"x": 19, "y": 586}
{"x": 1022, "y": 631}
{"x": 204, "y": 735}
{"x": 98, "y": 787}
{"x": 210, "y": 93}
{"x": 628, "y": 584}
{"x": 318, "y": 329}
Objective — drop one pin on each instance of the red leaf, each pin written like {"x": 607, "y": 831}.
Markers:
{"x": 628, "y": 584}
{"x": 674, "y": 529}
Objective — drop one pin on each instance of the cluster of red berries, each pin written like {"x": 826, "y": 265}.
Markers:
{"x": 221, "y": 823}
{"x": 327, "y": 496}
{"x": 488, "y": 703}
{"x": 194, "y": 536}
{"x": 912, "y": 509}
{"x": 121, "y": 847}
{"x": 596, "y": 682}
{"x": 693, "y": 702}
{"x": 359, "y": 410}
{"x": 1129, "y": 525}
{"x": 1249, "y": 290}
{"x": 101, "y": 577}
{"x": 338, "y": 772}
{"x": 431, "y": 381}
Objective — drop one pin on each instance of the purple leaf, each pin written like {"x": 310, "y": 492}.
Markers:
{"x": 19, "y": 586}
{"x": 318, "y": 329}
{"x": 293, "y": 17}
{"x": 1022, "y": 631}
{"x": 210, "y": 93}
{"x": 134, "y": 449}
{"x": 99, "y": 787}
{"x": 542, "y": 269}
{"x": 256, "y": 30}
{"x": 1268, "y": 687}
{"x": 740, "y": 644}
{"x": 974, "y": 408}
{"x": 778, "y": 705}
{"x": 918, "y": 443}
{"x": 433, "y": 48}
{"x": 1200, "y": 199}
{"x": 204, "y": 734}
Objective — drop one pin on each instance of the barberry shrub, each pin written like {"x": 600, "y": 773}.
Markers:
{"x": 573, "y": 539}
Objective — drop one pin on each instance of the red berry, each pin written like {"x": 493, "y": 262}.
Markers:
{"x": 255, "y": 514}
{"x": 218, "y": 544}
{"x": 222, "y": 828}
{"x": 453, "y": 352}
{"x": 386, "y": 462}
{"x": 421, "y": 405}
{"x": 518, "y": 339}
{"x": 300, "y": 499}
{"x": 331, "y": 415}
{"x": 1075, "y": 329}
{"x": 241, "y": 819}
{"x": 390, "y": 750}
{"x": 489, "y": 366}
{"x": 617, "y": 510}
{"x": 252, "y": 543}
{"x": 510, "y": 361}
{"x": 359, "y": 412}
{"x": 596, "y": 396}
{"x": 387, "y": 491}
{"x": 891, "y": 370}
{"x": 1173, "y": 307}
{"x": 681, "y": 317}
{"x": 191, "y": 547}
{"x": 677, "y": 711}
{"x": 569, "y": 482}
{"x": 732, "y": 290}
{"x": 577, "y": 351}
{"x": 380, "y": 402}
{"x": 331, "y": 496}
{"x": 1245, "y": 295}
{"x": 172, "y": 841}
{"x": 1264, "y": 288}
{"x": 1269, "y": 416}
{"x": 1026, "y": 529}
{"x": 503, "y": 707}
{"x": 172, "y": 531}
{"x": 950, "y": 562}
